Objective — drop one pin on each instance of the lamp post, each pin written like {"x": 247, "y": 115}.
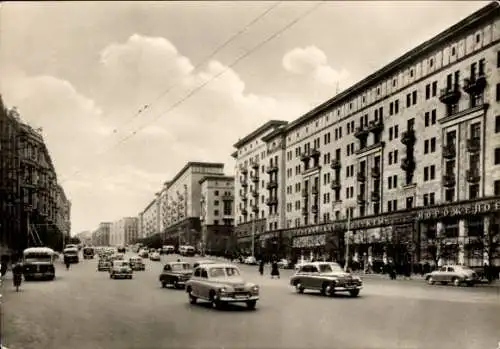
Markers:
{"x": 347, "y": 238}
{"x": 253, "y": 236}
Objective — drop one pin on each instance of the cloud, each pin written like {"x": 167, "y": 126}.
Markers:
{"x": 312, "y": 62}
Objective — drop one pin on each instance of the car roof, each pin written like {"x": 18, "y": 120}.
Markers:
{"x": 219, "y": 265}
{"x": 39, "y": 250}
{"x": 177, "y": 263}
{"x": 318, "y": 263}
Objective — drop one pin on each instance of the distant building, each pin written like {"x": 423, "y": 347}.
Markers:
{"x": 124, "y": 231}
{"x": 85, "y": 237}
{"x": 100, "y": 237}
{"x": 217, "y": 214}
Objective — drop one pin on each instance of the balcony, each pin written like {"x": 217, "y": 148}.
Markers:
{"x": 271, "y": 201}
{"x": 408, "y": 164}
{"x": 335, "y": 164}
{"x": 254, "y": 178}
{"x": 244, "y": 198}
{"x": 255, "y": 193}
{"x": 472, "y": 176}
{"x": 255, "y": 209}
{"x": 360, "y": 176}
{"x": 304, "y": 193}
{"x": 227, "y": 197}
{"x": 474, "y": 145}
{"x": 244, "y": 212}
{"x": 272, "y": 184}
{"x": 271, "y": 168}
{"x": 449, "y": 151}
{"x": 314, "y": 209}
{"x": 244, "y": 183}
{"x": 408, "y": 137}
{"x": 254, "y": 165}
{"x": 376, "y": 172}
{"x": 304, "y": 211}
{"x": 315, "y": 190}
{"x": 336, "y": 184}
{"x": 361, "y": 132}
{"x": 315, "y": 154}
{"x": 376, "y": 126}
{"x": 243, "y": 169}
{"x": 450, "y": 95}
{"x": 475, "y": 84}
{"x": 305, "y": 156}
{"x": 361, "y": 199}
{"x": 375, "y": 196}
{"x": 449, "y": 180}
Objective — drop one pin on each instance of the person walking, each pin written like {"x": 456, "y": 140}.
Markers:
{"x": 275, "y": 269}
{"x": 17, "y": 273}
{"x": 261, "y": 267}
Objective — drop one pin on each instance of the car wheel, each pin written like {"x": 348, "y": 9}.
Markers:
{"x": 192, "y": 299}
{"x": 251, "y": 305}
{"x": 175, "y": 284}
{"x": 326, "y": 289}
{"x": 163, "y": 285}
{"x": 430, "y": 280}
{"x": 299, "y": 288}
{"x": 456, "y": 282}
{"x": 354, "y": 293}
{"x": 216, "y": 304}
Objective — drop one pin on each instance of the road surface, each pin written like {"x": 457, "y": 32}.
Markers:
{"x": 85, "y": 309}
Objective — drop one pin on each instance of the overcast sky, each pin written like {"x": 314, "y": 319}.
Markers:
{"x": 82, "y": 71}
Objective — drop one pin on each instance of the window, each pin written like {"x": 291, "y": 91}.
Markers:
{"x": 426, "y": 119}
{"x": 216, "y": 193}
{"x": 216, "y": 202}
{"x": 433, "y": 117}
{"x": 497, "y": 188}
{"x": 473, "y": 191}
{"x": 427, "y": 91}
{"x": 432, "y": 172}
{"x": 433, "y": 144}
{"x": 497, "y": 156}
{"x": 498, "y": 93}
{"x": 426, "y": 199}
{"x": 216, "y": 212}
{"x": 434, "y": 88}
{"x": 408, "y": 99}
{"x": 498, "y": 59}
{"x": 396, "y": 106}
{"x": 497, "y": 124}
{"x": 426, "y": 174}
{"x": 426, "y": 146}
{"x": 414, "y": 97}
{"x": 431, "y": 199}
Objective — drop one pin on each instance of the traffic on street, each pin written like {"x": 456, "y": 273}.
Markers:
{"x": 86, "y": 308}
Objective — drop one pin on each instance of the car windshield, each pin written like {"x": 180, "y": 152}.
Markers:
{"x": 329, "y": 268}
{"x": 221, "y": 272}
{"x": 181, "y": 267}
{"x": 121, "y": 264}
{"x": 37, "y": 257}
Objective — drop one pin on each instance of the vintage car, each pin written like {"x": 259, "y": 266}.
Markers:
{"x": 155, "y": 256}
{"x": 104, "y": 264}
{"x": 88, "y": 252}
{"x": 326, "y": 277}
{"x": 143, "y": 253}
{"x": 120, "y": 269}
{"x": 176, "y": 274}
{"x": 136, "y": 263}
{"x": 220, "y": 284}
{"x": 121, "y": 249}
{"x": 38, "y": 263}
{"x": 71, "y": 254}
{"x": 455, "y": 274}
{"x": 203, "y": 261}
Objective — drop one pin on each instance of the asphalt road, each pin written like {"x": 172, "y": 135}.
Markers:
{"x": 84, "y": 309}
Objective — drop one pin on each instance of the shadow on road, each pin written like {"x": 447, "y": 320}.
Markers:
{"x": 227, "y": 308}
{"x": 319, "y": 295}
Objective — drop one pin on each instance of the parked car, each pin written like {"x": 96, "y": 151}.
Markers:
{"x": 251, "y": 260}
{"x": 136, "y": 263}
{"x": 455, "y": 274}
{"x": 120, "y": 269}
{"x": 220, "y": 284}
{"x": 155, "y": 256}
{"x": 203, "y": 261}
{"x": 326, "y": 277}
{"x": 103, "y": 265}
{"x": 143, "y": 254}
{"x": 176, "y": 274}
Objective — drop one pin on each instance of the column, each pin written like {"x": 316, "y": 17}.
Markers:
{"x": 486, "y": 239}
{"x": 462, "y": 234}
{"x": 439, "y": 234}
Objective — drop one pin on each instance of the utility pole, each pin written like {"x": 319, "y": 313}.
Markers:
{"x": 253, "y": 236}
{"x": 347, "y": 238}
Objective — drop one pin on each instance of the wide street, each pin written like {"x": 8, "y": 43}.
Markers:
{"x": 84, "y": 308}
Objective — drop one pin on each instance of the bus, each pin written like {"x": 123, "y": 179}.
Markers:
{"x": 71, "y": 254}
{"x": 38, "y": 263}
{"x": 88, "y": 252}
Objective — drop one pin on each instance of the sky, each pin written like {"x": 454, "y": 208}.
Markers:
{"x": 128, "y": 92}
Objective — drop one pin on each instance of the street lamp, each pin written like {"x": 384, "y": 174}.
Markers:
{"x": 347, "y": 238}
{"x": 253, "y": 236}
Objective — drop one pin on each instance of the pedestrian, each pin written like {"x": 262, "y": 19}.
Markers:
{"x": 17, "y": 274}
{"x": 275, "y": 269}
{"x": 261, "y": 267}
{"x": 66, "y": 262}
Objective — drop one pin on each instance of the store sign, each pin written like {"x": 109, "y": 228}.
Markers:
{"x": 472, "y": 208}
{"x": 380, "y": 221}
{"x": 309, "y": 241}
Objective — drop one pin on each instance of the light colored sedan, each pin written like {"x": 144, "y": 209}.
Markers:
{"x": 155, "y": 256}
{"x": 221, "y": 284}
{"x": 455, "y": 274}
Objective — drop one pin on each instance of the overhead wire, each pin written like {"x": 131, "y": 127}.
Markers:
{"x": 201, "y": 86}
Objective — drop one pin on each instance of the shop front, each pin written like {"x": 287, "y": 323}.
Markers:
{"x": 464, "y": 233}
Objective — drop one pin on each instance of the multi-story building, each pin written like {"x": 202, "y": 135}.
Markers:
{"x": 163, "y": 207}
{"x": 182, "y": 220}
{"x": 85, "y": 237}
{"x": 259, "y": 158}
{"x": 150, "y": 218}
{"x": 35, "y": 210}
{"x": 101, "y": 236}
{"x": 407, "y": 160}
{"x": 124, "y": 231}
{"x": 217, "y": 214}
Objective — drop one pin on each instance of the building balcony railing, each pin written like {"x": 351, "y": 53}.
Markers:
{"x": 227, "y": 197}
{"x": 361, "y": 177}
{"x": 305, "y": 156}
{"x": 449, "y": 180}
{"x": 336, "y": 184}
{"x": 408, "y": 164}
{"x": 449, "y": 151}
{"x": 314, "y": 209}
{"x": 305, "y": 212}
{"x": 335, "y": 164}
{"x": 254, "y": 178}
{"x": 271, "y": 201}
{"x": 474, "y": 145}
{"x": 304, "y": 193}
{"x": 244, "y": 199}
{"x": 243, "y": 169}
{"x": 375, "y": 196}
{"x": 244, "y": 183}
{"x": 254, "y": 165}
{"x": 475, "y": 84}
{"x": 375, "y": 172}
{"x": 408, "y": 137}
{"x": 472, "y": 176}
{"x": 255, "y": 208}
{"x": 361, "y": 199}
{"x": 450, "y": 94}
{"x": 255, "y": 193}
{"x": 376, "y": 126}
{"x": 272, "y": 184}
{"x": 271, "y": 168}
{"x": 314, "y": 190}
{"x": 361, "y": 132}
{"x": 315, "y": 153}
{"x": 244, "y": 212}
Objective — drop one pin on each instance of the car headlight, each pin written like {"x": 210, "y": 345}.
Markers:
{"x": 223, "y": 290}
{"x": 255, "y": 288}
{"x": 357, "y": 278}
